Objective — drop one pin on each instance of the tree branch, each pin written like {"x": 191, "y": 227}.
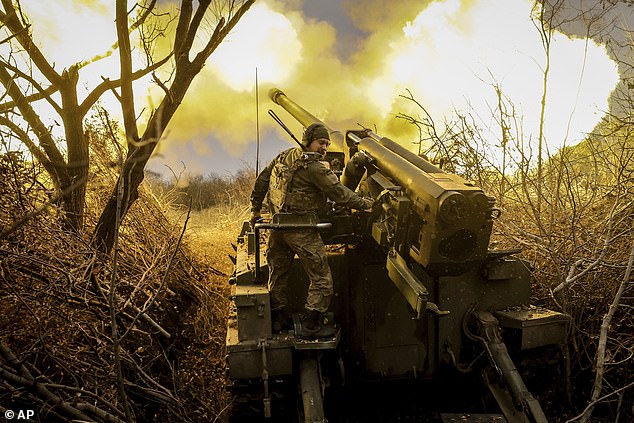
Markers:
{"x": 32, "y": 118}
{"x": 115, "y": 45}
{"x": 109, "y": 84}
{"x": 163, "y": 281}
{"x": 572, "y": 275}
{"x": 221, "y": 32}
{"x": 41, "y": 94}
{"x": 116, "y": 340}
{"x": 603, "y": 398}
{"x": 182, "y": 29}
{"x": 24, "y": 137}
{"x": 26, "y": 379}
{"x": 22, "y": 35}
{"x": 192, "y": 30}
{"x": 125, "y": 62}
{"x": 603, "y": 339}
{"x": 18, "y": 223}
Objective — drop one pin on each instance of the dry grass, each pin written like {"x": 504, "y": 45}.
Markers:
{"x": 56, "y": 332}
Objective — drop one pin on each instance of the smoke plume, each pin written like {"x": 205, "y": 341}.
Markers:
{"x": 449, "y": 54}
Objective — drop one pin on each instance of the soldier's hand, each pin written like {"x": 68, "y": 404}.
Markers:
{"x": 369, "y": 204}
{"x": 255, "y": 218}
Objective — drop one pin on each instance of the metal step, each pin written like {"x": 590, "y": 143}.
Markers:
{"x": 472, "y": 418}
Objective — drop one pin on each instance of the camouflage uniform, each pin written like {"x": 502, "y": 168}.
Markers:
{"x": 298, "y": 183}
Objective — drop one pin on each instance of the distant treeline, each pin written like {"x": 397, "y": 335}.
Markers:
{"x": 205, "y": 191}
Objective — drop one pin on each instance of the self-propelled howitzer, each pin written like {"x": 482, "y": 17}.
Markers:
{"x": 418, "y": 295}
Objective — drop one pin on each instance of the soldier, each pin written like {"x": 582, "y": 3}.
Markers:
{"x": 299, "y": 183}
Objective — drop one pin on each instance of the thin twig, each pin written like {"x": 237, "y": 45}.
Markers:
{"x": 116, "y": 341}
{"x": 603, "y": 338}
{"x": 598, "y": 400}
{"x": 18, "y": 223}
{"x": 163, "y": 281}
{"x": 573, "y": 276}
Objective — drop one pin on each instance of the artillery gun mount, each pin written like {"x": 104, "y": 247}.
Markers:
{"x": 428, "y": 318}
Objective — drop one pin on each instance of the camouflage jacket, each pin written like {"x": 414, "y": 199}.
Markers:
{"x": 297, "y": 182}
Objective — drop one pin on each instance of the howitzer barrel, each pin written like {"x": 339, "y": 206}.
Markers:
{"x": 304, "y": 117}
{"x": 456, "y": 215}
{"x": 424, "y": 188}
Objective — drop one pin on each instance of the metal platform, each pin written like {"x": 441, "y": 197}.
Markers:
{"x": 472, "y": 418}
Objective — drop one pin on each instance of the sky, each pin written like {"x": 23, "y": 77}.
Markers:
{"x": 348, "y": 62}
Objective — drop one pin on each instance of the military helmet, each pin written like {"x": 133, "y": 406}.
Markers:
{"x": 313, "y": 132}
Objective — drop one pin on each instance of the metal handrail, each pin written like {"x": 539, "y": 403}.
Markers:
{"x": 280, "y": 227}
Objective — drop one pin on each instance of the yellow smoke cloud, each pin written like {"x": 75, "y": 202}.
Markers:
{"x": 70, "y": 31}
{"x": 452, "y": 53}
{"x": 448, "y": 53}
{"x": 221, "y": 99}
{"x": 382, "y": 15}
{"x": 266, "y": 39}
{"x": 289, "y": 52}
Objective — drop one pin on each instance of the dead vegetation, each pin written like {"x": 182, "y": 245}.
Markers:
{"x": 135, "y": 336}
{"x": 579, "y": 245}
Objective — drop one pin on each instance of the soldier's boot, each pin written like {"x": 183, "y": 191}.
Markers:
{"x": 312, "y": 326}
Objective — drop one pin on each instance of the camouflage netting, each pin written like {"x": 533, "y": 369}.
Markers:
{"x": 59, "y": 352}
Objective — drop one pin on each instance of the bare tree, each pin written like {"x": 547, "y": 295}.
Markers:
{"x": 69, "y": 169}
{"x": 64, "y": 172}
{"x": 141, "y": 147}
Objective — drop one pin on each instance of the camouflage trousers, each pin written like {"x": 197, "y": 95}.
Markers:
{"x": 283, "y": 245}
